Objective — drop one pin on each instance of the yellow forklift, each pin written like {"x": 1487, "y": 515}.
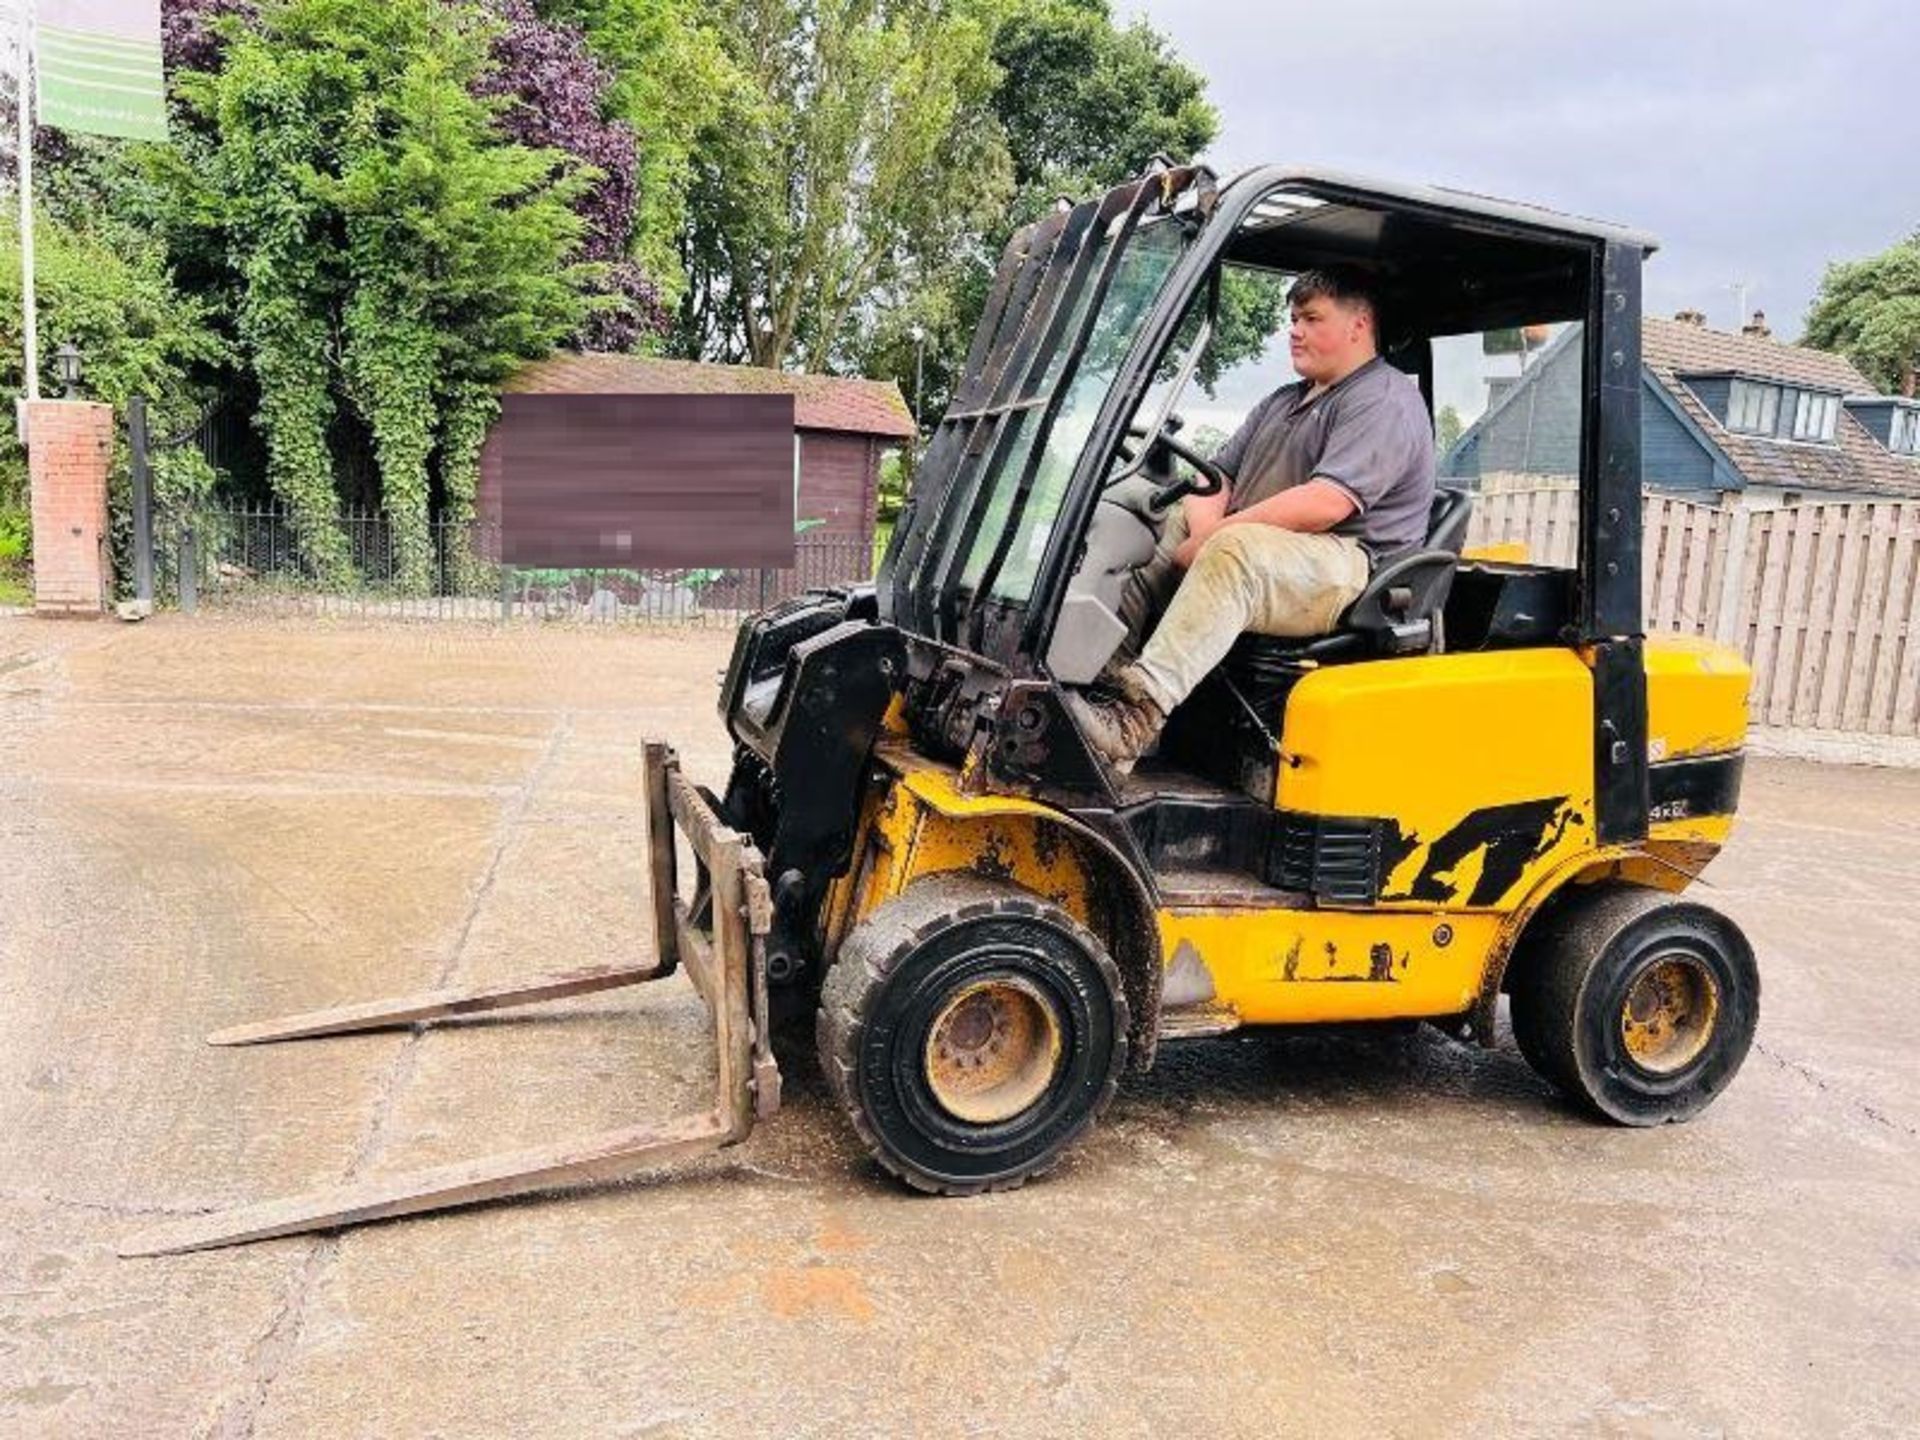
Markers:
{"x": 1486, "y": 781}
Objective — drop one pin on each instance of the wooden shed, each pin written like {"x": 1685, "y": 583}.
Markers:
{"x": 841, "y": 427}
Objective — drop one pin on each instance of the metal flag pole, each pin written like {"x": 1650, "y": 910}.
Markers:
{"x": 23, "y": 113}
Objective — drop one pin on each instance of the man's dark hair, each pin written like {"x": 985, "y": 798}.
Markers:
{"x": 1340, "y": 283}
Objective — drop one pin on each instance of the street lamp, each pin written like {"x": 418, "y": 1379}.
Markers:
{"x": 66, "y": 361}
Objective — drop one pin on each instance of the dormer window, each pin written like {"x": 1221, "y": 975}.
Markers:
{"x": 1814, "y": 415}
{"x": 1753, "y": 408}
{"x": 1904, "y": 438}
{"x": 1771, "y": 410}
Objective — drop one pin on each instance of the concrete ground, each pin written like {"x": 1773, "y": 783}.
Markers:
{"x": 206, "y": 822}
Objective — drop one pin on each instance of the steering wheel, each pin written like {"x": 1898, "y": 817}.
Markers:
{"x": 1208, "y": 479}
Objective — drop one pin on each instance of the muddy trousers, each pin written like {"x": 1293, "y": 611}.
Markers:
{"x": 1248, "y": 577}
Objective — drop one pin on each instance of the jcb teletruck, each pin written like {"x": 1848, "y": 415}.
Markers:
{"x": 1486, "y": 781}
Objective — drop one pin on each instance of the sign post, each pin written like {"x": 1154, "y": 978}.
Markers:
{"x": 23, "y": 115}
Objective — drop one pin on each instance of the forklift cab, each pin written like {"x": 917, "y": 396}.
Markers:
{"x": 1066, "y": 443}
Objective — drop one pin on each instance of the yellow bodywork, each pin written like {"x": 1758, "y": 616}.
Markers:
{"x": 1458, "y": 754}
{"x": 923, "y": 824}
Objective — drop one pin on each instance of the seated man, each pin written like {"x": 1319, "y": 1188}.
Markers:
{"x": 1330, "y": 476}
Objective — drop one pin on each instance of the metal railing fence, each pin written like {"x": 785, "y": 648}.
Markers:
{"x": 254, "y": 559}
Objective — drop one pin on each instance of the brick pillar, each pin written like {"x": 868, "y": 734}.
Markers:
{"x": 69, "y": 448}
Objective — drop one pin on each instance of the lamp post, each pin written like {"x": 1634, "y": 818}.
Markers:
{"x": 66, "y": 360}
{"x": 919, "y": 335}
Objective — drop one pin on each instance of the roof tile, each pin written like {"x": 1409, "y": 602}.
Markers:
{"x": 1856, "y": 462}
{"x": 820, "y": 402}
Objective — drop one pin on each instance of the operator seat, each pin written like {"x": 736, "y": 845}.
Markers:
{"x": 1399, "y": 611}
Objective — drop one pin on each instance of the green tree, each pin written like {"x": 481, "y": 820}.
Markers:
{"x": 106, "y": 289}
{"x": 1448, "y": 427}
{"x": 385, "y": 247}
{"x": 1084, "y": 104}
{"x": 673, "y": 81}
{"x": 1869, "y": 310}
{"x": 856, "y": 162}
{"x": 108, "y": 292}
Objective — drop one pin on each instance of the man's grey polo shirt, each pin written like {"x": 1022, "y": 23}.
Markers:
{"x": 1370, "y": 435}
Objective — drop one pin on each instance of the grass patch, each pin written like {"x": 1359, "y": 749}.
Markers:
{"x": 15, "y": 530}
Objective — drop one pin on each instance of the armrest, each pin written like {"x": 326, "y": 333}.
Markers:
{"x": 1412, "y": 587}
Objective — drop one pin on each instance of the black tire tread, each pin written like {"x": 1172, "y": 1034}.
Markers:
{"x": 1559, "y": 953}
{"x": 1546, "y": 994}
{"x": 1554, "y": 960}
{"x": 879, "y": 943}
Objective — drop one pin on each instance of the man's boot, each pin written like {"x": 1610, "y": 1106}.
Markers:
{"x": 1121, "y": 723}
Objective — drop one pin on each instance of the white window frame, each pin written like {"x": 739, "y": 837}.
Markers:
{"x": 1814, "y": 415}
{"x": 1753, "y": 407}
{"x": 1903, "y": 438}
{"x": 1742, "y": 398}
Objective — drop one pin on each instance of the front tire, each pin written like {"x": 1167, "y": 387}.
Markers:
{"x": 971, "y": 1032}
{"x": 1638, "y": 1006}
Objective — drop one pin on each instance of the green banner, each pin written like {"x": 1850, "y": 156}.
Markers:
{"x": 99, "y": 83}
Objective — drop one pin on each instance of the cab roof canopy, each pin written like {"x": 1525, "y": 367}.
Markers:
{"x": 1444, "y": 261}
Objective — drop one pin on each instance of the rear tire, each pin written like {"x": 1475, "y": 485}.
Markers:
{"x": 971, "y": 1032}
{"x": 1638, "y": 1006}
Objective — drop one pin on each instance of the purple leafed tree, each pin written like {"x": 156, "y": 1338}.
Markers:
{"x": 557, "y": 91}
{"x": 186, "y": 31}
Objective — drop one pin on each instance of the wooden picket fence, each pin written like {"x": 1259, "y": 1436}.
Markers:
{"x": 1822, "y": 598}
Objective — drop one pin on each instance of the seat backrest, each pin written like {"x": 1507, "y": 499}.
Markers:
{"x": 1395, "y": 613}
{"x": 1447, "y": 521}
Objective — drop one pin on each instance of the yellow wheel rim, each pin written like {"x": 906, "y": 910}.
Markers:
{"x": 1668, "y": 1015}
{"x": 993, "y": 1050}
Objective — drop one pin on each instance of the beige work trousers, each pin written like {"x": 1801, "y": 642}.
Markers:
{"x": 1248, "y": 577}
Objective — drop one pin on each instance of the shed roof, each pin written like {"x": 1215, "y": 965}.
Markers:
{"x": 1856, "y": 462}
{"x": 820, "y": 402}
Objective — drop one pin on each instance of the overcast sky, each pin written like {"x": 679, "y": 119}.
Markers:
{"x": 1758, "y": 139}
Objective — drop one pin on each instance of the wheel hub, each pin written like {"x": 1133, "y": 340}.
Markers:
{"x": 993, "y": 1050}
{"x": 1668, "y": 1014}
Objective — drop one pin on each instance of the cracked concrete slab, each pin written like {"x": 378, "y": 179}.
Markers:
{"x": 202, "y": 823}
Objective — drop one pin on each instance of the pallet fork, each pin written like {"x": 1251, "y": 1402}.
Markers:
{"x": 719, "y": 937}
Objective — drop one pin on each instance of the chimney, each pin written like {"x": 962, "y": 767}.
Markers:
{"x": 1691, "y": 316}
{"x": 1756, "y": 328}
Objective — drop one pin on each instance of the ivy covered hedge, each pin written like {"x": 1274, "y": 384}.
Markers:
{"x": 390, "y": 247}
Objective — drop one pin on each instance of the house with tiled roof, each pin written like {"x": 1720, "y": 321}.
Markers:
{"x": 842, "y": 427}
{"x": 1740, "y": 418}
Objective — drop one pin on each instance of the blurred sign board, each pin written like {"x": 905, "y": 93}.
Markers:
{"x": 643, "y": 481}
{"x": 98, "y": 67}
